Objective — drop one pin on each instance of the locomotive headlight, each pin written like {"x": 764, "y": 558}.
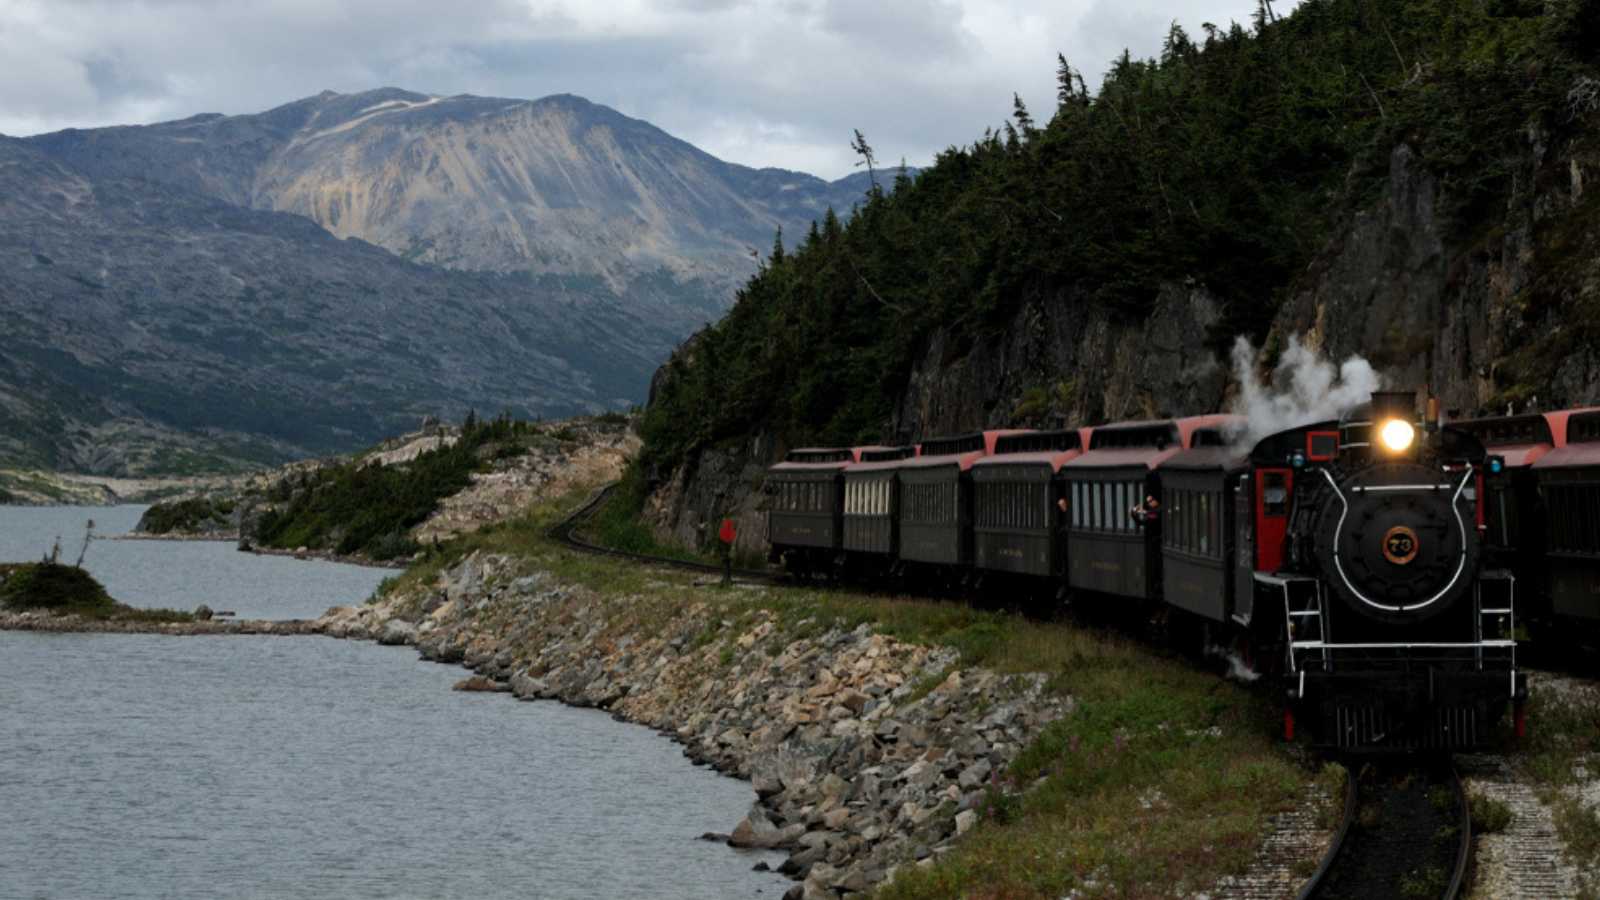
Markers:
{"x": 1397, "y": 435}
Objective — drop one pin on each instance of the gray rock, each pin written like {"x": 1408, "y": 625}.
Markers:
{"x": 397, "y": 632}
{"x": 758, "y": 831}
{"x": 527, "y": 687}
{"x": 975, "y": 775}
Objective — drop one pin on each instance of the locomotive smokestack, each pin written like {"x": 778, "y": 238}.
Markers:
{"x": 1394, "y": 404}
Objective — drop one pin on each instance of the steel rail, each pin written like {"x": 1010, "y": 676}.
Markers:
{"x": 565, "y": 532}
{"x": 1316, "y": 883}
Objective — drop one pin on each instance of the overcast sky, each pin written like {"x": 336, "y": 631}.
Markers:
{"x": 763, "y": 82}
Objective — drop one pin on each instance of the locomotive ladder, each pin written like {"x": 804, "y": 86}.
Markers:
{"x": 1305, "y": 619}
{"x": 1494, "y": 597}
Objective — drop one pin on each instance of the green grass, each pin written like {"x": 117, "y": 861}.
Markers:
{"x": 1563, "y": 736}
{"x": 1489, "y": 816}
{"x": 1161, "y": 780}
{"x": 618, "y": 524}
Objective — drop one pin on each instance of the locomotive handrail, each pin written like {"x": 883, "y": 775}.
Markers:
{"x": 1407, "y": 645}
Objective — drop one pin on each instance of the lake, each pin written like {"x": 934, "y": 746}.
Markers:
{"x": 147, "y": 766}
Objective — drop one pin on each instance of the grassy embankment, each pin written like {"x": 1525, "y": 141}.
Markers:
{"x": 1163, "y": 777}
{"x": 1560, "y": 754}
{"x": 69, "y": 591}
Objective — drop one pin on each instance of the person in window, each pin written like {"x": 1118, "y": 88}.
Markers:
{"x": 1147, "y": 513}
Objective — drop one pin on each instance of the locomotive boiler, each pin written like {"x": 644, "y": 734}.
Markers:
{"x": 1398, "y": 636}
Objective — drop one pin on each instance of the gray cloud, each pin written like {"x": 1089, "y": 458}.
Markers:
{"x": 759, "y": 82}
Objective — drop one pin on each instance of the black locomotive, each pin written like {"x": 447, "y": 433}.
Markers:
{"x": 1347, "y": 558}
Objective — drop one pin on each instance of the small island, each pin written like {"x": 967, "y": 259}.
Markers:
{"x": 68, "y": 592}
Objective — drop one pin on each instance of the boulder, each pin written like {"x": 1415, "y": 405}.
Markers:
{"x": 975, "y": 775}
{"x": 758, "y": 831}
{"x": 396, "y": 632}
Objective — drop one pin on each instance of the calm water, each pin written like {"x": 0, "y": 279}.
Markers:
{"x": 184, "y": 574}
{"x": 144, "y": 766}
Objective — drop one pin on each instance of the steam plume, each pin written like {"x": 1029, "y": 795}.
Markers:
{"x": 1305, "y": 388}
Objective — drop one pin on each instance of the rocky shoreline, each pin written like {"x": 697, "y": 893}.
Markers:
{"x": 71, "y": 624}
{"x": 866, "y": 754}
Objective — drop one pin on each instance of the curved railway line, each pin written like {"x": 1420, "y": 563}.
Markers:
{"x": 566, "y": 532}
{"x": 1405, "y": 832}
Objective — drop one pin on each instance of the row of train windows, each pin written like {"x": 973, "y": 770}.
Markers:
{"x": 1574, "y": 517}
{"x": 1193, "y": 522}
{"x": 804, "y": 496}
{"x": 1013, "y": 505}
{"x": 867, "y": 496}
{"x": 1105, "y": 505}
{"x": 930, "y": 504}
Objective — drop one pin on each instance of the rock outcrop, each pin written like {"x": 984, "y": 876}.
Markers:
{"x": 865, "y": 753}
{"x": 1484, "y": 312}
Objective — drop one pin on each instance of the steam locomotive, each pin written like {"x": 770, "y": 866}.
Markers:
{"x": 1368, "y": 564}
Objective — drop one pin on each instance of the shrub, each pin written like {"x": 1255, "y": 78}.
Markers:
{"x": 369, "y": 508}
{"x": 181, "y": 516}
{"x": 48, "y": 585}
{"x": 1489, "y": 816}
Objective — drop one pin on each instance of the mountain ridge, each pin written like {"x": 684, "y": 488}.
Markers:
{"x": 557, "y": 185}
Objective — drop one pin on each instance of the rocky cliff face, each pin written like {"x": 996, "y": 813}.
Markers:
{"x": 1485, "y": 312}
{"x": 1464, "y": 306}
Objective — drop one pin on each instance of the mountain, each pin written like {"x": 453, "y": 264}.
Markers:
{"x": 228, "y": 289}
{"x": 556, "y": 186}
{"x": 137, "y": 313}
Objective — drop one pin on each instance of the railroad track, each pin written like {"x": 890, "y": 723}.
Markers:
{"x": 566, "y": 533}
{"x": 1406, "y": 832}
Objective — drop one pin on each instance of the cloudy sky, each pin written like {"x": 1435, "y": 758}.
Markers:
{"x": 759, "y": 82}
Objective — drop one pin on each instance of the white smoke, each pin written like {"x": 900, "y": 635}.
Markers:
{"x": 1305, "y": 388}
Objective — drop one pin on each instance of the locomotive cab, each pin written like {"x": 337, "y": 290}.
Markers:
{"x": 1397, "y": 636}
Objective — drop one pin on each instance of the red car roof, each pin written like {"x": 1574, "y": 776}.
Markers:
{"x": 964, "y": 460}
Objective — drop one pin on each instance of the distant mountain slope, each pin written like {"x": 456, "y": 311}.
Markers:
{"x": 138, "y": 313}
{"x": 555, "y": 186}
{"x": 172, "y": 303}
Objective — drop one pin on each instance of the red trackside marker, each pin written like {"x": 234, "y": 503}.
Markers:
{"x": 1288, "y": 724}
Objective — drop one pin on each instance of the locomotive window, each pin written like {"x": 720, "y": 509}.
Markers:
{"x": 1275, "y": 494}
{"x": 1205, "y": 523}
